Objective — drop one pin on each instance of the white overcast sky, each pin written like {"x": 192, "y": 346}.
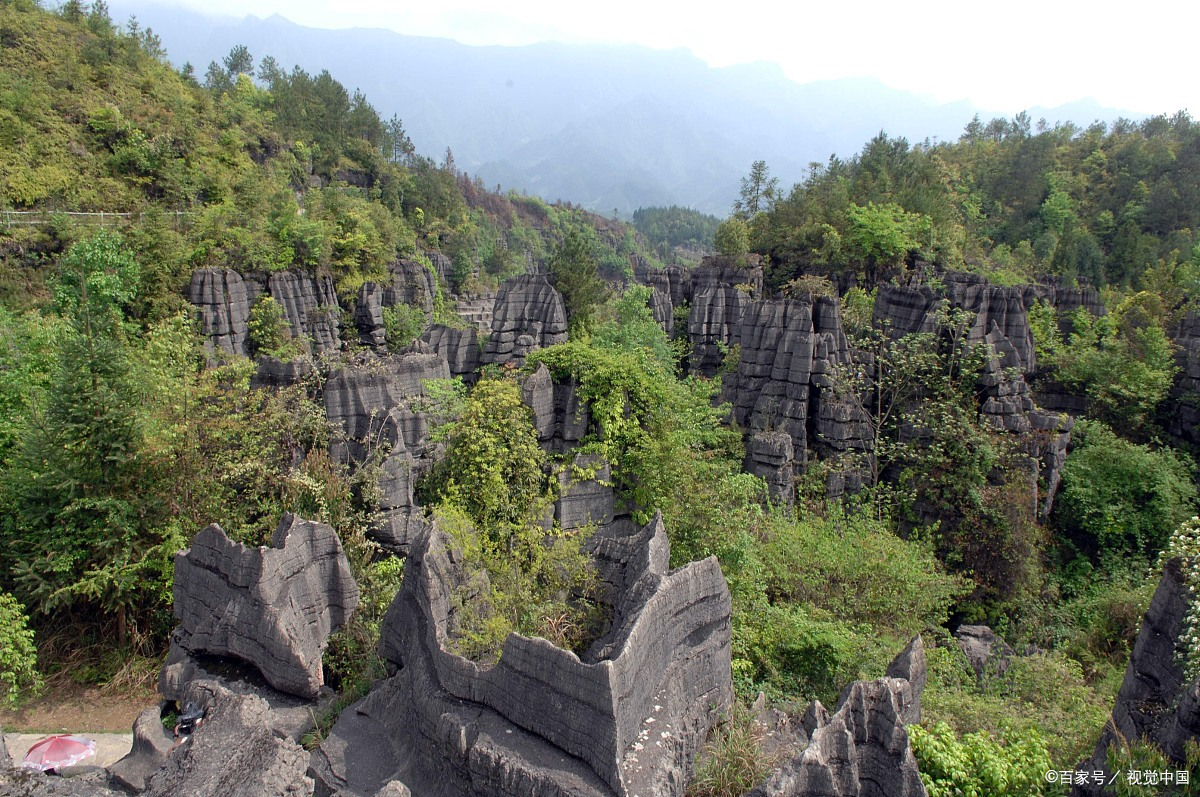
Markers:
{"x": 1005, "y": 56}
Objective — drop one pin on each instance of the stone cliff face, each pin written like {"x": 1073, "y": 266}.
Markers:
{"x": 272, "y": 607}
{"x": 221, "y": 297}
{"x": 721, "y": 291}
{"x": 224, "y": 299}
{"x": 785, "y": 385}
{"x": 1156, "y": 703}
{"x": 374, "y": 404}
{"x": 458, "y": 347}
{"x": 529, "y": 314}
{"x": 310, "y": 305}
{"x": 625, "y": 719}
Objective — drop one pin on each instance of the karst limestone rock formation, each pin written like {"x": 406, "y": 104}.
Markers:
{"x": 273, "y": 607}
{"x": 529, "y": 314}
{"x": 624, "y": 719}
{"x": 1157, "y": 703}
{"x": 233, "y": 753}
{"x": 862, "y": 748}
{"x": 374, "y": 402}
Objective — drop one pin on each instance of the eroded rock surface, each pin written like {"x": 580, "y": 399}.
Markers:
{"x": 458, "y": 347}
{"x": 529, "y": 314}
{"x": 152, "y": 744}
{"x": 625, "y": 719}
{"x": 1155, "y": 704}
{"x": 233, "y": 753}
{"x": 721, "y": 292}
{"x": 273, "y": 607}
{"x": 862, "y": 749}
{"x": 310, "y": 306}
{"x": 374, "y": 404}
{"x": 222, "y": 299}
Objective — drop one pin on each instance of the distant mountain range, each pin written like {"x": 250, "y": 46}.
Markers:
{"x": 605, "y": 126}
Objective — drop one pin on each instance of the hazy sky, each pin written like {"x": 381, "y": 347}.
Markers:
{"x": 1004, "y": 56}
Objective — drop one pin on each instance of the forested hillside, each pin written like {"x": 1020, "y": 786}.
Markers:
{"x": 930, "y": 389}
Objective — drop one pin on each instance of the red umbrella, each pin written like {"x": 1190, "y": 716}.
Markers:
{"x": 61, "y": 750}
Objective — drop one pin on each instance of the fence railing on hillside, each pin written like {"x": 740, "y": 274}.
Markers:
{"x": 103, "y": 218}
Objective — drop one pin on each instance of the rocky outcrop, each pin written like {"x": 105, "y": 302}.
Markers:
{"x": 412, "y": 284}
{"x": 985, "y": 651}
{"x": 529, "y": 314}
{"x": 623, "y": 719}
{"x": 674, "y": 282}
{"x": 223, "y": 302}
{"x": 721, "y": 292}
{"x": 233, "y": 753}
{"x": 310, "y": 306}
{"x": 368, "y": 316}
{"x": 30, "y": 783}
{"x": 271, "y": 372}
{"x": 458, "y": 347}
{"x": 662, "y": 310}
{"x": 902, "y": 310}
{"x": 1156, "y": 703}
{"x": 374, "y": 406}
{"x": 560, "y": 416}
{"x": 1183, "y": 421}
{"x": 585, "y": 493}
{"x": 152, "y": 744}
{"x": 273, "y": 607}
{"x": 862, "y": 749}
{"x": 787, "y": 383}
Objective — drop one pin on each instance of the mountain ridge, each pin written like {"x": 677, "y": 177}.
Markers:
{"x": 515, "y": 115}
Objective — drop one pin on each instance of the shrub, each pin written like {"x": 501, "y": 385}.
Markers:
{"x": 18, "y": 657}
{"x": 403, "y": 324}
{"x": 1013, "y": 764}
{"x": 732, "y": 761}
{"x": 1120, "y": 498}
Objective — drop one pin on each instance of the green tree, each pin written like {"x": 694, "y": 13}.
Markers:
{"x": 758, "y": 193}
{"x": 82, "y": 518}
{"x": 732, "y": 238}
{"x": 882, "y": 235}
{"x": 574, "y": 273}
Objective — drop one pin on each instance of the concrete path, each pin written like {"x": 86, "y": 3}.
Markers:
{"x": 109, "y": 746}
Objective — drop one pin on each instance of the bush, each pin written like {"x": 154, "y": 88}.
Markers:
{"x": 1044, "y": 692}
{"x": 732, "y": 761}
{"x": 403, "y": 324}
{"x": 1013, "y": 764}
{"x": 1120, "y": 498}
{"x": 19, "y": 675}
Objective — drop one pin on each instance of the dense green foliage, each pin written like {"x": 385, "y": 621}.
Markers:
{"x": 676, "y": 234}
{"x": 1105, "y": 203}
{"x": 979, "y": 765}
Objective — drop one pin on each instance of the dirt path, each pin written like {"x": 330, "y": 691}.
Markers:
{"x": 78, "y": 709}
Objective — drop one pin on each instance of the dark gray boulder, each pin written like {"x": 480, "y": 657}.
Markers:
{"x": 862, "y": 749}
{"x": 272, "y": 607}
{"x": 624, "y": 719}
{"x": 529, "y": 314}
{"x": 234, "y": 753}
{"x": 223, "y": 302}
{"x": 152, "y": 743}
{"x": 984, "y": 650}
